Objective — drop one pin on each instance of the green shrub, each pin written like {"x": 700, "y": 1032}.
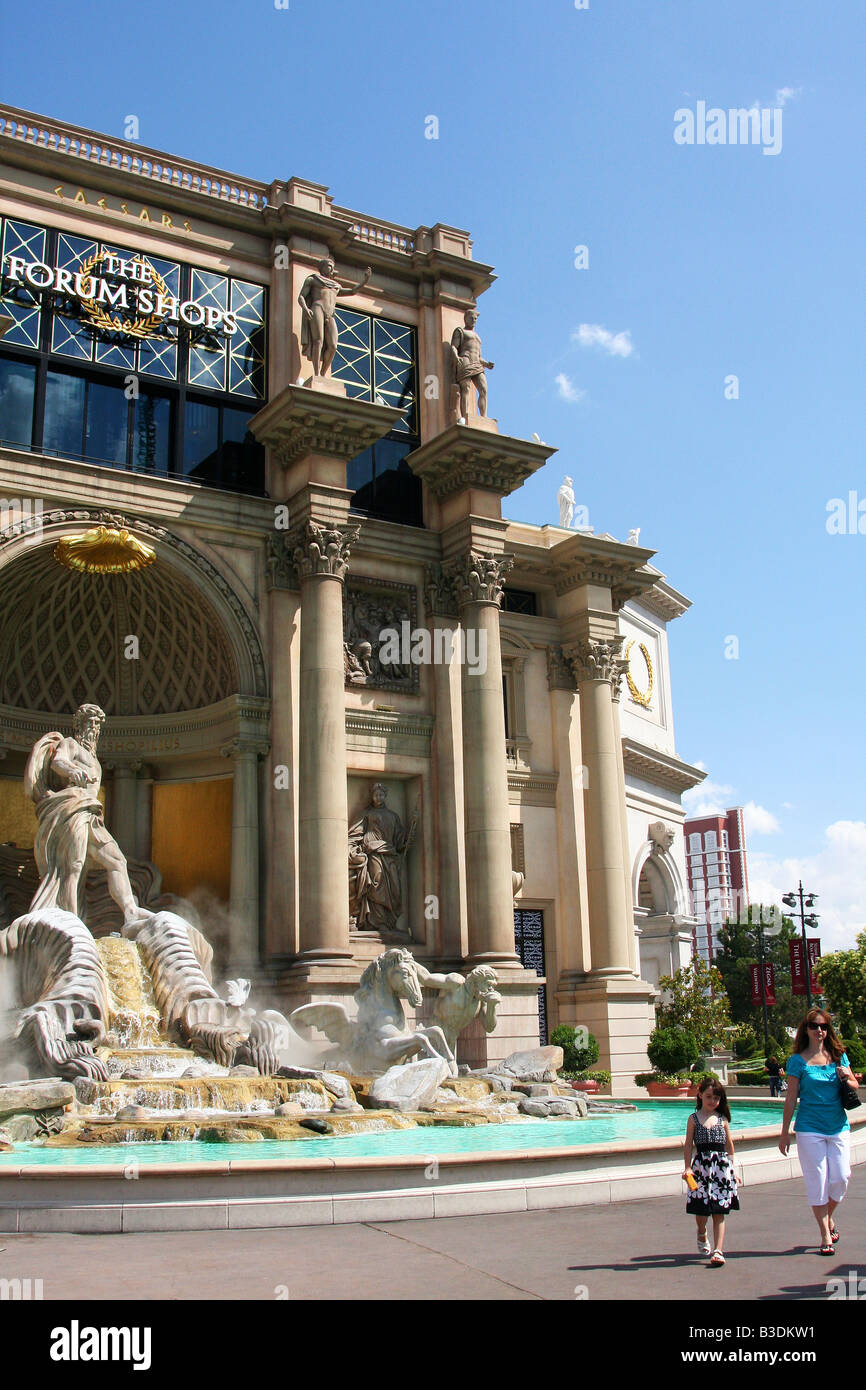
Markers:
{"x": 751, "y": 1078}
{"x": 856, "y": 1053}
{"x": 672, "y": 1049}
{"x": 579, "y": 1048}
{"x": 746, "y": 1041}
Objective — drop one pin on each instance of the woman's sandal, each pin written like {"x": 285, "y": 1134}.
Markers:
{"x": 717, "y": 1258}
{"x": 834, "y": 1233}
{"x": 827, "y": 1250}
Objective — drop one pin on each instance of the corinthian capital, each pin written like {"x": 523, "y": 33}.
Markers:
{"x": 478, "y": 578}
{"x": 323, "y": 550}
{"x": 593, "y": 660}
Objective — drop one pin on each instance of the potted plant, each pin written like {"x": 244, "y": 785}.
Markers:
{"x": 591, "y": 1082}
{"x": 659, "y": 1083}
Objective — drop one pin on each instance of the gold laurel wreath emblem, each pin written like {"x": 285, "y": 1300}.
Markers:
{"x": 142, "y": 326}
{"x": 641, "y": 697}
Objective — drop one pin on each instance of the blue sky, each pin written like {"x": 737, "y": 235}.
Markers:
{"x": 556, "y": 130}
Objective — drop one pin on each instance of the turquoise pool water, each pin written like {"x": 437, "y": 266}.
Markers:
{"x": 652, "y": 1120}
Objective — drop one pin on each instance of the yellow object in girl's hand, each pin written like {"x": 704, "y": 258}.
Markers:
{"x": 691, "y": 1182}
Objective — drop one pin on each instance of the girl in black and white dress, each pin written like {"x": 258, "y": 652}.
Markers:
{"x": 709, "y": 1161}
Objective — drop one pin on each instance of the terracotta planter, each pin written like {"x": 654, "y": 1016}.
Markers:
{"x": 590, "y": 1087}
{"x": 659, "y": 1088}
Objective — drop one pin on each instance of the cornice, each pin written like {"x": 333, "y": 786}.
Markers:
{"x": 651, "y": 765}
{"x": 301, "y": 420}
{"x": 464, "y": 456}
{"x": 664, "y": 601}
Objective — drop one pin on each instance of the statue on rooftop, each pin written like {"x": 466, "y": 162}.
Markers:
{"x": 318, "y": 301}
{"x": 468, "y": 364}
{"x": 565, "y": 497}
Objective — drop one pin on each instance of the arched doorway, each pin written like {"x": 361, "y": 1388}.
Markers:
{"x": 172, "y": 657}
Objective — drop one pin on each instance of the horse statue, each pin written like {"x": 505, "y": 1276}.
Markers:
{"x": 378, "y": 1037}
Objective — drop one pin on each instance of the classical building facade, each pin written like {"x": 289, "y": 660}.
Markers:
{"x": 350, "y": 705}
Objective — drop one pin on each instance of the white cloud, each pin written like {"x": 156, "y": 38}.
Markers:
{"x": 709, "y": 799}
{"x": 782, "y": 96}
{"x": 759, "y": 821}
{"x": 567, "y": 390}
{"x": 594, "y": 335}
{"x": 835, "y": 873}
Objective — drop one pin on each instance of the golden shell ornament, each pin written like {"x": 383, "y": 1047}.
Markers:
{"x": 104, "y": 551}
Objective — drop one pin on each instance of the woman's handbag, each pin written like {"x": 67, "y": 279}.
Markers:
{"x": 848, "y": 1096}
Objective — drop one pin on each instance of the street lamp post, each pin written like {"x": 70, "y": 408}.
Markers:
{"x": 806, "y": 919}
{"x": 760, "y": 935}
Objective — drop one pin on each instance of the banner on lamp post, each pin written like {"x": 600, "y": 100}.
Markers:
{"x": 769, "y": 995}
{"x": 798, "y": 967}
{"x": 814, "y": 946}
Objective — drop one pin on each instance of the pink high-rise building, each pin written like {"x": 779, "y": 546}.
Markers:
{"x": 718, "y": 877}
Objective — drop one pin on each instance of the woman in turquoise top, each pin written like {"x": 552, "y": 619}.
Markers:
{"x": 814, "y": 1072}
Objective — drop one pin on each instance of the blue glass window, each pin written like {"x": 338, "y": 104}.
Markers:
{"x": 18, "y": 301}
{"x": 17, "y": 394}
{"x": 65, "y": 396}
{"x": 152, "y": 433}
{"x": 377, "y": 361}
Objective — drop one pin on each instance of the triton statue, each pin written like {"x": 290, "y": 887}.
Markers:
{"x": 62, "y": 778}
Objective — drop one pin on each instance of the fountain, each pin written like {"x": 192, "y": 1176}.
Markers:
{"x": 124, "y": 1038}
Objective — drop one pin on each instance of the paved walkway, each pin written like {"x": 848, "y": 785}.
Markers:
{"x": 632, "y": 1250}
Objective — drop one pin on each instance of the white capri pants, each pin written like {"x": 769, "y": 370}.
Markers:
{"x": 826, "y": 1163}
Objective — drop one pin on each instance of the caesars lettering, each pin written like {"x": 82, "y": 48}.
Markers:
{"x": 136, "y": 292}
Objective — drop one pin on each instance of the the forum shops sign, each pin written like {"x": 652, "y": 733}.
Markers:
{"x": 120, "y": 295}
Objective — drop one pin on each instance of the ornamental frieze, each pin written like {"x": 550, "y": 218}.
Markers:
{"x": 373, "y": 609}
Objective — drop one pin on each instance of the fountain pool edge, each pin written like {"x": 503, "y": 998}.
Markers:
{"x": 251, "y": 1194}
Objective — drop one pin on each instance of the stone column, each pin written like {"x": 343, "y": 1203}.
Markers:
{"x": 123, "y": 806}
{"x": 452, "y": 938}
{"x": 244, "y": 890}
{"x": 282, "y": 787}
{"x": 598, "y": 668}
{"x": 479, "y": 579}
{"x": 321, "y": 556}
{"x": 633, "y": 953}
{"x": 144, "y": 814}
{"x": 572, "y": 930}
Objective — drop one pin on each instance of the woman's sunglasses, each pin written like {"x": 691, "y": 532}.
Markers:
{"x": 824, "y": 1027}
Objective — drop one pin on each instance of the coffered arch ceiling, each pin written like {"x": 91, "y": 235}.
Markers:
{"x": 64, "y": 640}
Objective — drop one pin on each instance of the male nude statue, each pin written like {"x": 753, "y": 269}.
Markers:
{"x": 62, "y": 778}
{"x": 469, "y": 364}
{"x": 318, "y": 300}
